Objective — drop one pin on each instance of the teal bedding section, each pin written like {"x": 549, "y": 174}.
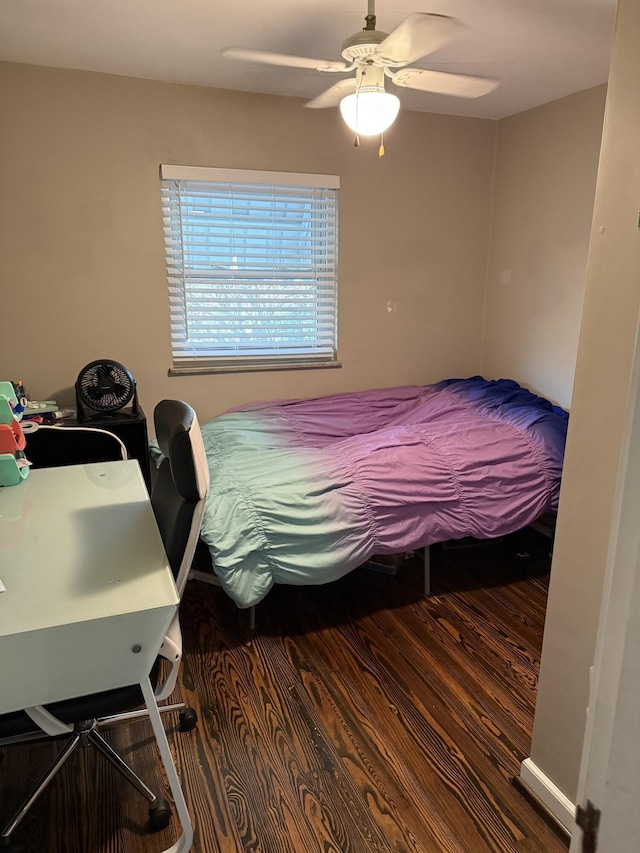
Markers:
{"x": 277, "y": 511}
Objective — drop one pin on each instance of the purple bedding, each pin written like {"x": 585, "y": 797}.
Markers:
{"x": 303, "y": 491}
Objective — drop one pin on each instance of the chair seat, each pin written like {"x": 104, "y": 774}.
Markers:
{"x": 73, "y": 711}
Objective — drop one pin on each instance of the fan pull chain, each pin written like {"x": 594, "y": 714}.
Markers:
{"x": 356, "y": 141}
{"x": 381, "y": 149}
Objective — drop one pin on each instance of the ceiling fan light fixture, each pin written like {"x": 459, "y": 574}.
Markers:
{"x": 370, "y": 110}
{"x": 375, "y": 55}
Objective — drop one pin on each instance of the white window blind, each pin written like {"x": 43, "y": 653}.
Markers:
{"x": 251, "y": 267}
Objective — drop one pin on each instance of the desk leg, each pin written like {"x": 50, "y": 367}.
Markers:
{"x": 185, "y": 841}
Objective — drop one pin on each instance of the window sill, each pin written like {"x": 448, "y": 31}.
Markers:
{"x": 196, "y": 370}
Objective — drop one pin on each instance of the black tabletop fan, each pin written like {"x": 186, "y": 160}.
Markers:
{"x": 104, "y": 388}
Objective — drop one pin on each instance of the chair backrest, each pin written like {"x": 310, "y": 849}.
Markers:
{"x": 181, "y": 484}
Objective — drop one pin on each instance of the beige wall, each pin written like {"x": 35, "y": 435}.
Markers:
{"x": 82, "y": 257}
{"x": 546, "y": 166}
{"x": 602, "y": 382}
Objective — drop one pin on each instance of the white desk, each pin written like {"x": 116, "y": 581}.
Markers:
{"x": 89, "y": 592}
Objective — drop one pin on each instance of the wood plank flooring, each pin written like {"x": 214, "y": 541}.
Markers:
{"x": 360, "y": 717}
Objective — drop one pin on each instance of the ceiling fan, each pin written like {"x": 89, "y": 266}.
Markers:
{"x": 365, "y": 106}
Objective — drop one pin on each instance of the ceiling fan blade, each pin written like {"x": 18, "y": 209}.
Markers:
{"x": 443, "y": 83}
{"x": 418, "y": 35}
{"x": 332, "y": 97}
{"x": 249, "y": 55}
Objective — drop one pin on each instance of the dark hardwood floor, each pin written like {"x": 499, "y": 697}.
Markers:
{"x": 360, "y": 717}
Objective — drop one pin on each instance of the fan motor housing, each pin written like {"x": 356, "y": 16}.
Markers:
{"x": 361, "y": 45}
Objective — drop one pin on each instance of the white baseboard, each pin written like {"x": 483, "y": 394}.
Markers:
{"x": 548, "y": 794}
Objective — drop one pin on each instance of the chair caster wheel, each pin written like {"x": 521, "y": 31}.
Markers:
{"x": 188, "y": 719}
{"x": 159, "y": 816}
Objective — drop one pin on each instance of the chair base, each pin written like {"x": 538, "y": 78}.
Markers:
{"x": 187, "y": 717}
{"x": 84, "y": 734}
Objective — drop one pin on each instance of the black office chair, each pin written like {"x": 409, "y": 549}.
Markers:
{"x": 178, "y": 502}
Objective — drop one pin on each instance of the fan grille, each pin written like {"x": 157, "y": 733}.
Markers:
{"x": 105, "y": 386}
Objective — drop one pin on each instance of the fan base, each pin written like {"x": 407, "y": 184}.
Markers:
{"x": 86, "y": 414}
{"x": 118, "y": 414}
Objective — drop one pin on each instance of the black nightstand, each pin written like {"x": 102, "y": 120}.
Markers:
{"x": 48, "y": 448}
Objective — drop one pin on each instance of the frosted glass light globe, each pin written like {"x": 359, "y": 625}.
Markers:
{"x": 369, "y": 113}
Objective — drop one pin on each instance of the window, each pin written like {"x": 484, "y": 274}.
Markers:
{"x": 251, "y": 268}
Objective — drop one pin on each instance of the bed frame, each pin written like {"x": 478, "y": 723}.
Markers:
{"x": 210, "y": 577}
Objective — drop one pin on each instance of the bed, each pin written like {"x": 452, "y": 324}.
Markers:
{"x": 304, "y": 491}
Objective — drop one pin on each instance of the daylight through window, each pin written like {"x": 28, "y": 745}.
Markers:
{"x": 251, "y": 267}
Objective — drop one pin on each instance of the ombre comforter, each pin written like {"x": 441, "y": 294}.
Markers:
{"x": 304, "y": 491}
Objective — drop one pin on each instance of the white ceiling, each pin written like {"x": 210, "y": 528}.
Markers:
{"x": 540, "y": 50}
